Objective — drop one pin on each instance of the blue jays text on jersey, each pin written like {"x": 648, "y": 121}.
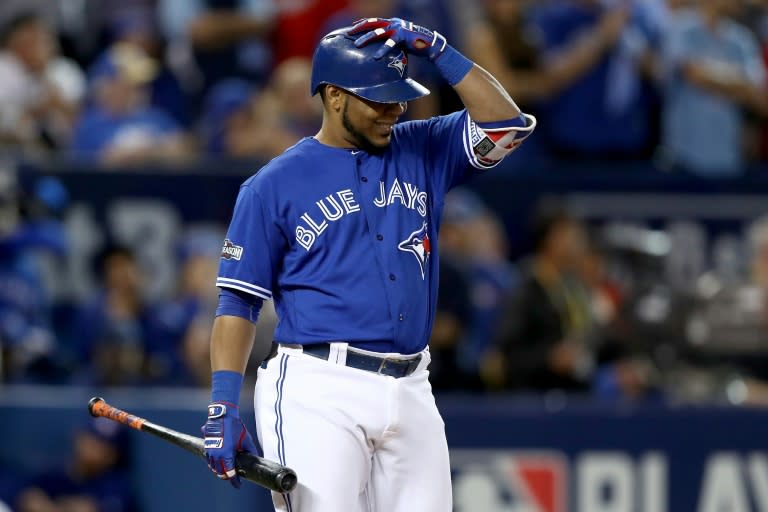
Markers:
{"x": 333, "y": 207}
{"x": 345, "y": 241}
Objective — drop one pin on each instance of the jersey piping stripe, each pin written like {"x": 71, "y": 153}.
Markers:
{"x": 279, "y": 421}
{"x": 255, "y": 288}
{"x": 243, "y": 289}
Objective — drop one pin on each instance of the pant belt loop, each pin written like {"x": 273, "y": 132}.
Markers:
{"x": 338, "y": 353}
{"x": 424, "y": 361}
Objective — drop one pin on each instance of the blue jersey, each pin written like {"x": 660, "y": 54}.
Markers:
{"x": 344, "y": 241}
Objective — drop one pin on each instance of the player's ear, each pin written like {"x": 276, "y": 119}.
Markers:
{"x": 334, "y": 97}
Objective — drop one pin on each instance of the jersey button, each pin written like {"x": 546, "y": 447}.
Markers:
{"x": 379, "y": 237}
{"x": 402, "y": 317}
{"x": 364, "y": 179}
{"x": 392, "y": 277}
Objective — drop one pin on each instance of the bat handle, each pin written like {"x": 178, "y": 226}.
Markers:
{"x": 99, "y": 408}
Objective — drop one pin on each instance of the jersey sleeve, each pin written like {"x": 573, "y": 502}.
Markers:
{"x": 252, "y": 247}
{"x": 443, "y": 138}
{"x": 453, "y": 147}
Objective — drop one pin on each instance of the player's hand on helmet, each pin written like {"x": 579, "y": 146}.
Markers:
{"x": 224, "y": 436}
{"x": 412, "y": 38}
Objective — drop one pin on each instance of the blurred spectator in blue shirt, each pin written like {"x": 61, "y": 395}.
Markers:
{"x": 506, "y": 42}
{"x": 29, "y": 229}
{"x": 119, "y": 127}
{"x": 110, "y": 331}
{"x": 474, "y": 239}
{"x": 241, "y": 121}
{"x": 713, "y": 71}
{"x": 179, "y": 341}
{"x": 608, "y": 111}
{"x": 226, "y": 110}
{"x": 176, "y": 321}
{"x": 97, "y": 479}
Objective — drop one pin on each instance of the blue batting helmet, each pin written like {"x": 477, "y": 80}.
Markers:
{"x": 338, "y": 62}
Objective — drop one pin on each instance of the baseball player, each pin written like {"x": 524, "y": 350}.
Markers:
{"x": 341, "y": 232}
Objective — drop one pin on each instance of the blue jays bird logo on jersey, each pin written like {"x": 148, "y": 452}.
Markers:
{"x": 399, "y": 62}
{"x": 418, "y": 244}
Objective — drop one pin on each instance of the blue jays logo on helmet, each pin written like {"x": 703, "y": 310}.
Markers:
{"x": 398, "y": 62}
{"x": 418, "y": 244}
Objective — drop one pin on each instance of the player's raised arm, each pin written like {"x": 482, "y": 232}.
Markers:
{"x": 484, "y": 97}
{"x": 499, "y": 124}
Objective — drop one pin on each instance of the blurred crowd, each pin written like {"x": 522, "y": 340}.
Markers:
{"x": 120, "y": 83}
{"x": 95, "y": 478}
{"x": 587, "y": 309}
{"x": 123, "y": 82}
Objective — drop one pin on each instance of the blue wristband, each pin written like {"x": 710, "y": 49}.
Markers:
{"x": 225, "y": 386}
{"x": 453, "y": 65}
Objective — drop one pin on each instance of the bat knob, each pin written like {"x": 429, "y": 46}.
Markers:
{"x": 93, "y": 401}
{"x": 287, "y": 480}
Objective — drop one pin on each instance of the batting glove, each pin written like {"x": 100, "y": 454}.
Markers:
{"x": 413, "y": 38}
{"x": 225, "y": 436}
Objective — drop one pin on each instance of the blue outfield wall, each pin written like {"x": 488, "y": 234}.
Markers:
{"x": 508, "y": 455}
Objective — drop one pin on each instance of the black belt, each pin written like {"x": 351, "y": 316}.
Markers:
{"x": 382, "y": 365}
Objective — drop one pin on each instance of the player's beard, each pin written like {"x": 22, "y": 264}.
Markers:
{"x": 359, "y": 138}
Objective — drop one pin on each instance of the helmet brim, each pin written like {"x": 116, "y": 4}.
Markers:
{"x": 392, "y": 92}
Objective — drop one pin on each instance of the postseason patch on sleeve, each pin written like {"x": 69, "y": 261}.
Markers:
{"x": 231, "y": 251}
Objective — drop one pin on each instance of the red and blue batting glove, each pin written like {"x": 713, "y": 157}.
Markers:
{"x": 415, "y": 40}
{"x": 224, "y": 436}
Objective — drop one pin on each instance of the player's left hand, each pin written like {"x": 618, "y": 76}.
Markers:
{"x": 225, "y": 436}
{"x": 414, "y": 39}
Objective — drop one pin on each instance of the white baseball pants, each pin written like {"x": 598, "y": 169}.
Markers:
{"x": 358, "y": 441}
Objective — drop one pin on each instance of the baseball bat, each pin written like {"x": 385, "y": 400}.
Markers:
{"x": 264, "y": 472}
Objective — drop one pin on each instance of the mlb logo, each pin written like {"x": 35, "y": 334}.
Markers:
{"x": 509, "y": 481}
